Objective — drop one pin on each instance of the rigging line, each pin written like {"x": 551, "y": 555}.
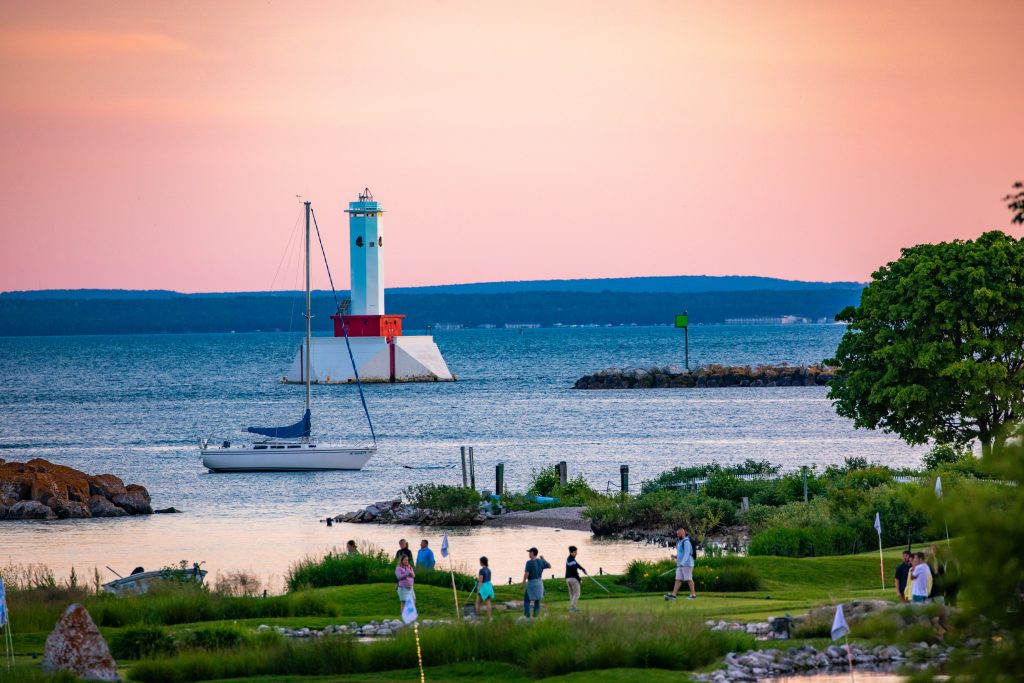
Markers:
{"x": 344, "y": 329}
{"x": 287, "y": 249}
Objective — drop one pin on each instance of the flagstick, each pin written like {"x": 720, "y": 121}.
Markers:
{"x": 881, "y": 560}
{"x": 849, "y": 656}
{"x": 419, "y": 652}
{"x": 598, "y": 583}
{"x": 944, "y": 523}
{"x": 455, "y": 592}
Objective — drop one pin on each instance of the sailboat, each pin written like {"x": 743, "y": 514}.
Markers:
{"x": 291, "y": 448}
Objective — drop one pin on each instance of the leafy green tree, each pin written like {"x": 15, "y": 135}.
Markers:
{"x": 935, "y": 350}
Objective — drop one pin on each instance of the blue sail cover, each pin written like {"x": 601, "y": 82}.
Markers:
{"x": 295, "y": 431}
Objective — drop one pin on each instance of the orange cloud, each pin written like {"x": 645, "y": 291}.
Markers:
{"x": 62, "y": 44}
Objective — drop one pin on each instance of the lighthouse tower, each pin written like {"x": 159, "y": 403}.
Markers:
{"x": 380, "y": 350}
{"x": 366, "y": 249}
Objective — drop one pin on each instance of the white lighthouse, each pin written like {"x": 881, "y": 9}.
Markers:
{"x": 381, "y": 352}
{"x": 366, "y": 247}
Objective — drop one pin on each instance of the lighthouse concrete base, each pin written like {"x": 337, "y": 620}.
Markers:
{"x": 403, "y": 359}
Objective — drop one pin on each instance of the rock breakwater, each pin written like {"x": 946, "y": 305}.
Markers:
{"x": 396, "y": 512}
{"x": 39, "y": 489}
{"x": 708, "y": 377}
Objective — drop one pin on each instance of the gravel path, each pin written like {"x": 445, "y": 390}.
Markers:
{"x": 554, "y": 518}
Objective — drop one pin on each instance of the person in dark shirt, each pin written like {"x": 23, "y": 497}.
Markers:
{"x": 902, "y": 574}
{"x": 533, "y": 577}
{"x": 403, "y": 550}
{"x": 572, "y": 578}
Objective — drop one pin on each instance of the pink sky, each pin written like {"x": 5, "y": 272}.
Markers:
{"x": 161, "y": 145}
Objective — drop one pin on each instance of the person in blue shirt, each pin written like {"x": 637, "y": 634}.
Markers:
{"x": 425, "y": 557}
{"x": 684, "y": 564}
{"x": 533, "y": 577}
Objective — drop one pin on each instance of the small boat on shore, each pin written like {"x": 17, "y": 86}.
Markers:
{"x": 140, "y": 581}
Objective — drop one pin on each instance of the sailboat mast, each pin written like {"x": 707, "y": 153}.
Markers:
{"x": 309, "y": 312}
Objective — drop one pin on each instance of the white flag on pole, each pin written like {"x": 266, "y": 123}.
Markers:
{"x": 839, "y": 627}
{"x": 444, "y": 546}
{"x": 938, "y": 487}
{"x": 409, "y": 613}
{"x": 3, "y": 604}
{"x": 878, "y": 525}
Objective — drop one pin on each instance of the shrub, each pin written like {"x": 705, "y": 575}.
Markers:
{"x": 221, "y": 637}
{"x": 943, "y": 454}
{"x": 343, "y": 569}
{"x": 806, "y": 541}
{"x": 720, "y": 575}
{"x": 458, "y": 505}
{"x": 544, "y": 481}
{"x": 139, "y": 642}
{"x": 340, "y": 569}
{"x": 756, "y": 517}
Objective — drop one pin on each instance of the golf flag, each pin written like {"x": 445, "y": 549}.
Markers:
{"x": 3, "y": 604}
{"x": 938, "y": 487}
{"x": 839, "y": 627}
{"x": 409, "y": 613}
{"x": 881, "y": 560}
{"x": 444, "y": 546}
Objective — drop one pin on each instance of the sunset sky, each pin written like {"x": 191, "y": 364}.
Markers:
{"x": 162, "y": 144}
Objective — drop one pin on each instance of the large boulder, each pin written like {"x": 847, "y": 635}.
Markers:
{"x": 101, "y": 507}
{"x": 30, "y": 509}
{"x": 76, "y": 646}
{"x": 135, "y": 500}
{"x": 106, "y": 485}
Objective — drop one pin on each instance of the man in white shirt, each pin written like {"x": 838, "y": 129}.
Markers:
{"x": 920, "y": 577}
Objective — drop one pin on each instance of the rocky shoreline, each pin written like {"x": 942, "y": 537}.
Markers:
{"x": 39, "y": 489}
{"x": 708, "y": 377}
{"x": 396, "y": 512}
{"x": 755, "y": 665}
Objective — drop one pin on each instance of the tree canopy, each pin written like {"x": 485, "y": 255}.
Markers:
{"x": 935, "y": 350}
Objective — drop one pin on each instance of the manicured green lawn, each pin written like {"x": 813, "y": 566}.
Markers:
{"x": 790, "y": 586}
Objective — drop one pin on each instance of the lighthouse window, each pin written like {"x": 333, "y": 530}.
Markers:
{"x": 380, "y": 241}
{"x": 359, "y": 241}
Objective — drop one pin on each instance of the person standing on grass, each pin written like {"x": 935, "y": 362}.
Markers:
{"x": 403, "y": 549}
{"x": 351, "y": 548}
{"x": 902, "y": 574}
{"x": 684, "y": 565}
{"x": 425, "y": 557}
{"x": 920, "y": 577}
{"x": 484, "y": 588}
{"x": 533, "y": 577}
{"x": 406, "y": 576}
{"x": 572, "y": 578}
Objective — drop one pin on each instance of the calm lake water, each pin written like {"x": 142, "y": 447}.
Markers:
{"x": 134, "y": 405}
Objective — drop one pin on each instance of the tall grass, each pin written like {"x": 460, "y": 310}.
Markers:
{"x": 344, "y": 569}
{"x": 173, "y": 603}
{"x": 545, "y": 647}
{"x": 719, "y": 574}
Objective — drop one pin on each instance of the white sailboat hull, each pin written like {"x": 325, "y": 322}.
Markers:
{"x": 284, "y": 457}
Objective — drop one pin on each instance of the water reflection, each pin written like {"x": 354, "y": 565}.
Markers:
{"x": 267, "y": 547}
